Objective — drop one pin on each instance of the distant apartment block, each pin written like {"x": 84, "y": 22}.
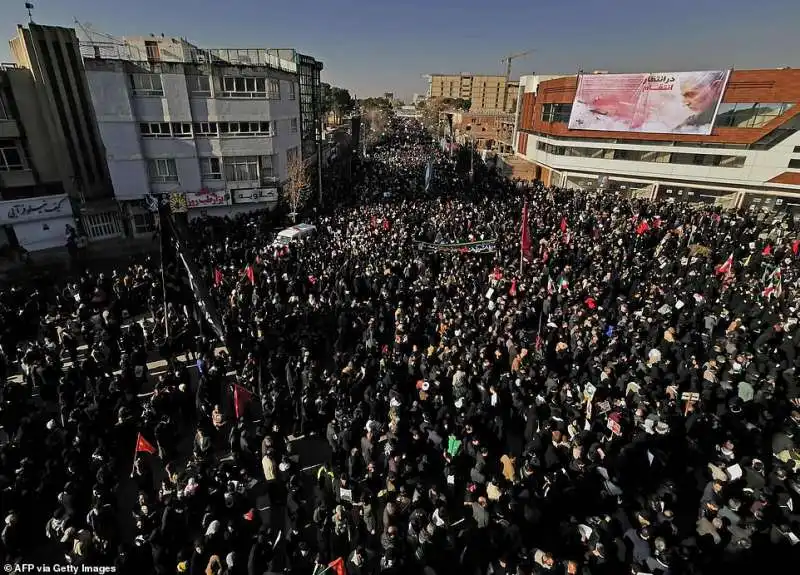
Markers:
{"x": 483, "y": 92}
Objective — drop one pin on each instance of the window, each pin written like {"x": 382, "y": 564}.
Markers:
{"x": 155, "y": 130}
{"x": 794, "y": 164}
{"x": 731, "y": 161}
{"x": 103, "y": 225}
{"x": 182, "y": 129}
{"x": 274, "y": 89}
{"x": 205, "y": 128}
{"x": 765, "y": 113}
{"x": 10, "y": 156}
{"x": 796, "y": 150}
{"x": 749, "y": 114}
{"x": 162, "y": 171}
{"x": 579, "y": 152}
{"x": 657, "y": 157}
{"x": 245, "y": 128}
{"x": 143, "y": 223}
{"x": 556, "y": 112}
{"x": 293, "y": 125}
{"x": 147, "y": 85}
{"x": 267, "y": 164}
{"x": 198, "y": 85}
{"x": 291, "y": 154}
{"x": 629, "y": 155}
{"x": 243, "y": 87}
{"x": 241, "y": 168}
{"x": 153, "y": 53}
{"x": 292, "y": 94}
{"x": 210, "y": 169}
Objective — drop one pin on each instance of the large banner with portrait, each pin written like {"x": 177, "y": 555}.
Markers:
{"x": 658, "y": 103}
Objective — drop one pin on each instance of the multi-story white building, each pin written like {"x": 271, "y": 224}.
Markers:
{"x": 213, "y": 128}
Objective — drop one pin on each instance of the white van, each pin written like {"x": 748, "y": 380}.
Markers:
{"x": 297, "y": 232}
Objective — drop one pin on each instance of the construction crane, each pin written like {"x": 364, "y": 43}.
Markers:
{"x": 510, "y": 58}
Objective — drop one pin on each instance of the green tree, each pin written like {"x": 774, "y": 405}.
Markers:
{"x": 342, "y": 102}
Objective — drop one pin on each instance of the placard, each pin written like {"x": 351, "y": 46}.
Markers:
{"x": 255, "y": 196}
{"x": 207, "y": 199}
{"x": 32, "y": 209}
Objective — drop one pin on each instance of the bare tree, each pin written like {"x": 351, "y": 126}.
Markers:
{"x": 295, "y": 189}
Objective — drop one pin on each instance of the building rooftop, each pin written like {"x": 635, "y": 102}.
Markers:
{"x": 180, "y": 50}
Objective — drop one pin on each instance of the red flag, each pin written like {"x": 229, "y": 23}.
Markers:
{"x": 258, "y": 260}
{"x": 767, "y": 250}
{"x": 657, "y": 222}
{"x": 241, "y": 397}
{"x": 143, "y": 446}
{"x": 251, "y": 275}
{"x": 218, "y": 277}
{"x": 338, "y": 566}
{"x": 513, "y": 291}
{"x": 312, "y": 280}
{"x": 545, "y": 257}
{"x": 563, "y": 225}
{"x": 642, "y": 227}
{"x": 538, "y": 344}
{"x": 726, "y": 266}
{"x": 591, "y": 303}
{"x": 497, "y": 274}
{"x": 386, "y": 224}
{"x": 795, "y": 246}
{"x": 464, "y": 250}
{"x": 249, "y": 515}
{"x": 525, "y": 239}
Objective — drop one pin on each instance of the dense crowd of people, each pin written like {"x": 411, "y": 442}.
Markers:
{"x": 615, "y": 394}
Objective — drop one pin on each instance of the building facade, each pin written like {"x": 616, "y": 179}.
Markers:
{"x": 485, "y": 130}
{"x": 52, "y": 55}
{"x": 214, "y": 129}
{"x": 483, "y": 92}
{"x": 308, "y": 72}
{"x": 750, "y": 157}
{"x": 34, "y": 207}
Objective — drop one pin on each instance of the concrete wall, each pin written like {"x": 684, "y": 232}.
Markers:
{"x": 53, "y": 57}
{"x": 47, "y": 159}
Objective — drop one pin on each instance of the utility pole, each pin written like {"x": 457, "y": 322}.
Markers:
{"x": 319, "y": 159}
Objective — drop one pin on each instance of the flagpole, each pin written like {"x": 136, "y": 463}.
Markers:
{"x": 163, "y": 276}
{"x": 135, "y": 451}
